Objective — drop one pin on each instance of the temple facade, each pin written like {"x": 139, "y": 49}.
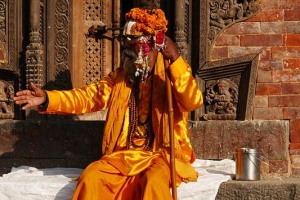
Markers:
{"x": 245, "y": 55}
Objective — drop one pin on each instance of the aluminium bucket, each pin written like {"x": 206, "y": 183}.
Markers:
{"x": 247, "y": 164}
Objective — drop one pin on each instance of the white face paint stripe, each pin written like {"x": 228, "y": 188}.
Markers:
{"x": 130, "y": 29}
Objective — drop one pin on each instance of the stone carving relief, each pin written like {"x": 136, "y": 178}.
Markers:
{"x": 221, "y": 98}
{"x": 6, "y": 101}
{"x": 229, "y": 87}
{"x": 226, "y": 12}
{"x": 215, "y": 16}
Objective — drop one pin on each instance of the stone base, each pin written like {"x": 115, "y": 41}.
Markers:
{"x": 273, "y": 189}
{"x": 219, "y": 140}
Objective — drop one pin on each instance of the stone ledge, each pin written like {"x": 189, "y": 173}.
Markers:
{"x": 219, "y": 139}
{"x": 271, "y": 189}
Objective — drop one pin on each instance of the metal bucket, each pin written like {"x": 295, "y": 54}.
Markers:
{"x": 247, "y": 164}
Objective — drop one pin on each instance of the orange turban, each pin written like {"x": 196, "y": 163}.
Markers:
{"x": 145, "y": 22}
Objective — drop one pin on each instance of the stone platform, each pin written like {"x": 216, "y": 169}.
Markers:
{"x": 268, "y": 189}
{"x": 68, "y": 143}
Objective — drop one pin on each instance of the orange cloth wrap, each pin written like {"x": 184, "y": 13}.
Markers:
{"x": 112, "y": 92}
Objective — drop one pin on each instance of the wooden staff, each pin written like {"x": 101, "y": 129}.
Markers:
{"x": 171, "y": 130}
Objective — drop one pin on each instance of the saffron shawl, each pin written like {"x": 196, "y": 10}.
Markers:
{"x": 113, "y": 92}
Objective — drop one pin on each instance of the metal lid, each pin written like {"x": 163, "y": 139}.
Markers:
{"x": 247, "y": 150}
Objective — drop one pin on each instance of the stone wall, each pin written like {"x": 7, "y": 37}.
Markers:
{"x": 219, "y": 140}
{"x": 56, "y": 143}
{"x": 274, "y": 33}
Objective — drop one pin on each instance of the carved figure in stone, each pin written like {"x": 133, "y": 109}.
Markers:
{"x": 221, "y": 98}
{"x": 226, "y": 11}
{"x": 6, "y": 94}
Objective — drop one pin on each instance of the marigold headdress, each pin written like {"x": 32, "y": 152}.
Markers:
{"x": 148, "y": 21}
{"x": 151, "y": 26}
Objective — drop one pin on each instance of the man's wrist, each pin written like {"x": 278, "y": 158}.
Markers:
{"x": 174, "y": 58}
{"x": 45, "y": 104}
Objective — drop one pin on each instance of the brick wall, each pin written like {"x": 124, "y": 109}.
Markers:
{"x": 274, "y": 33}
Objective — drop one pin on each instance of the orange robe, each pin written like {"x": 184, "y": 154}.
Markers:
{"x": 134, "y": 173}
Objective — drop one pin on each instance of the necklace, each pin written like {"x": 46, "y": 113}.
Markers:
{"x": 135, "y": 121}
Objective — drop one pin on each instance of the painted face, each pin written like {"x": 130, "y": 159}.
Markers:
{"x": 142, "y": 45}
{"x": 137, "y": 43}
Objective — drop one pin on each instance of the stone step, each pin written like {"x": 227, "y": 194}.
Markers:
{"x": 269, "y": 189}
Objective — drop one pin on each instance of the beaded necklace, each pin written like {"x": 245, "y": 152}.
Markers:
{"x": 134, "y": 121}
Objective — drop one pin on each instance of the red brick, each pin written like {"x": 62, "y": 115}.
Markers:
{"x": 288, "y": 4}
{"x": 228, "y": 40}
{"x": 260, "y": 101}
{"x": 265, "y": 53}
{"x": 268, "y": 88}
{"x": 292, "y": 14}
{"x": 270, "y": 4}
{"x": 291, "y": 88}
{"x": 261, "y": 40}
{"x": 286, "y": 76}
{"x": 264, "y": 76}
{"x": 268, "y": 15}
{"x": 295, "y": 131}
{"x": 295, "y": 160}
{"x": 273, "y": 27}
{"x": 278, "y": 166}
{"x": 295, "y": 171}
{"x": 271, "y": 64}
{"x": 219, "y": 53}
{"x": 291, "y": 113}
{"x": 241, "y": 51}
{"x": 292, "y": 26}
{"x": 293, "y": 40}
{"x": 267, "y": 113}
{"x": 295, "y": 148}
{"x": 295, "y": 136}
{"x": 284, "y": 101}
{"x": 293, "y": 63}
{"x": 285, "y": 52}
{"x": 244, "y": 28}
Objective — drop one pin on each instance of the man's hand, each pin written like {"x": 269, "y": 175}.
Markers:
{"x": 30, "y": 98}
{"x": 170, "y": 50}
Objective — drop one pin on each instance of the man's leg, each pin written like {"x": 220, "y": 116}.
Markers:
{"x": 155, "y": 182}
{"x": 99, "y": 180}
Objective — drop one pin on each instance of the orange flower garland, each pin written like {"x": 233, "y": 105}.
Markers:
{"x": 149, "y": 22}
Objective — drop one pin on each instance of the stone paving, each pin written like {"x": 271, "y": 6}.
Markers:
{"x": 268, "y": 189}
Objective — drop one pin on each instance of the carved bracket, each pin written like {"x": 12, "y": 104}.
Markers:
{"x": 216, "y": 16}
{"x": 224, "y": 13}
{"x": 229, "y": 88}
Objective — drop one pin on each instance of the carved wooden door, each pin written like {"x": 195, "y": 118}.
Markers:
{"x": 60, "y": 47}
{"x": 73, "y": 58}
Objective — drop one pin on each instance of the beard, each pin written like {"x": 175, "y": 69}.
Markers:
{"x": 128, "y": 57}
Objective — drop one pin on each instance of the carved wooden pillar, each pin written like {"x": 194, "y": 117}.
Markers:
{"x": 181, "y": 26}
{"x": 116, "y": 32}
{"x": 34, "y": 52}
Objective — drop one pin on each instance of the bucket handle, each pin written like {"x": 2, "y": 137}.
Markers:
{"x": 260, "y": 157}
